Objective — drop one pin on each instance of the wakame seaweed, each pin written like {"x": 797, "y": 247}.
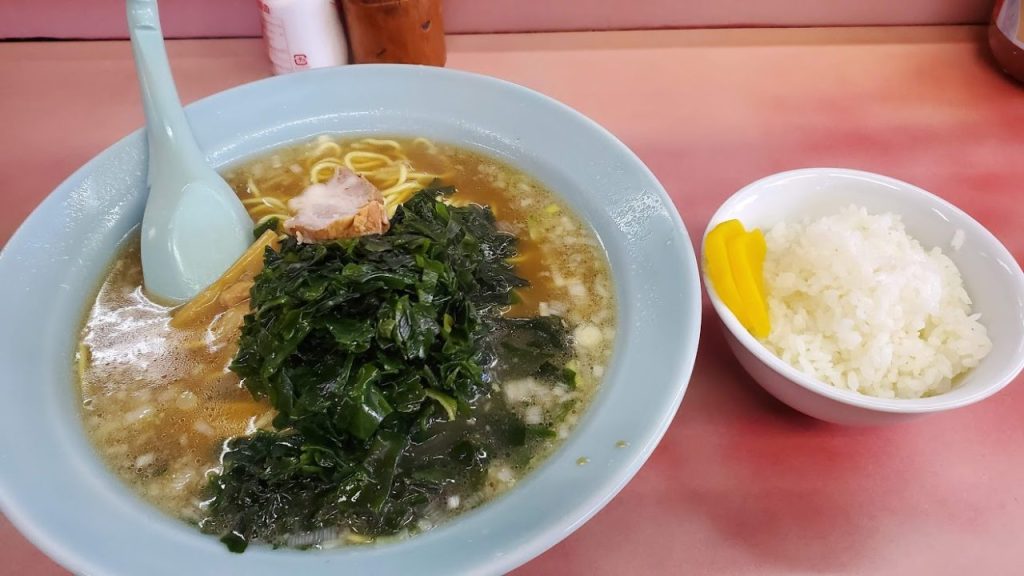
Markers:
{"x": 268, "y": 224}
{"x": 375, "y": 351}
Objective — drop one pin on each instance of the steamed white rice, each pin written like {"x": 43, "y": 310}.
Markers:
{"x": 858, "y": 303}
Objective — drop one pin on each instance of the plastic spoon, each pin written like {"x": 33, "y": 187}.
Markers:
{"x": 194, "y": 226}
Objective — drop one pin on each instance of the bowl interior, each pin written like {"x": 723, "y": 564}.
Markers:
{"x": 992, "y": 277}
{"x": 96, "y": 526}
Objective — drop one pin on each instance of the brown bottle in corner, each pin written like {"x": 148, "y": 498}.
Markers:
{"x": 395, "y": 31}
{"x": 1006, "y": 37}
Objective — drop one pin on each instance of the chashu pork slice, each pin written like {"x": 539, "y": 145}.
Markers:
{"x": 345, "y": 206}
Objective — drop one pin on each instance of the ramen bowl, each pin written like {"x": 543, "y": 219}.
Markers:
{"x": 54, "y": 486}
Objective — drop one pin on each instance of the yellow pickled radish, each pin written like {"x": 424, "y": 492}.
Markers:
{"x": 759, "y": 249}
{"x": 746, "y": 261}
{"x": 718, "y": 267}
{"x": 735, "y": 266}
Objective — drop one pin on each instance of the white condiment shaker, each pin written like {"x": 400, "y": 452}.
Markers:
{"x": 303, "y": 34}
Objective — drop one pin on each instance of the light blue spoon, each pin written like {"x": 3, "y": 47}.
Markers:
{"x": 194, "y": 226}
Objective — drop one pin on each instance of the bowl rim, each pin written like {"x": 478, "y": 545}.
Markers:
{"x": 554, "y": 531}
{"x": 768, "y": 358}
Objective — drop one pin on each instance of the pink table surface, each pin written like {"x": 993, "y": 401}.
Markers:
{"x": 740, "y": 484}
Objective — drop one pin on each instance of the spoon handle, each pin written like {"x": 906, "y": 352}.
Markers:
{"x": 171, "y": 145}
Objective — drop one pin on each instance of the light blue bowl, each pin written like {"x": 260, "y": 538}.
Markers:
{"x": 54, "y": 487}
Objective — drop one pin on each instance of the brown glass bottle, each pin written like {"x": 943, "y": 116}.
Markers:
{"x": 1006, "y": 36}
{"x": 395, "y": 31}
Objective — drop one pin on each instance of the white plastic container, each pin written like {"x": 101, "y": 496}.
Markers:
{"x": 303, "y": 34}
